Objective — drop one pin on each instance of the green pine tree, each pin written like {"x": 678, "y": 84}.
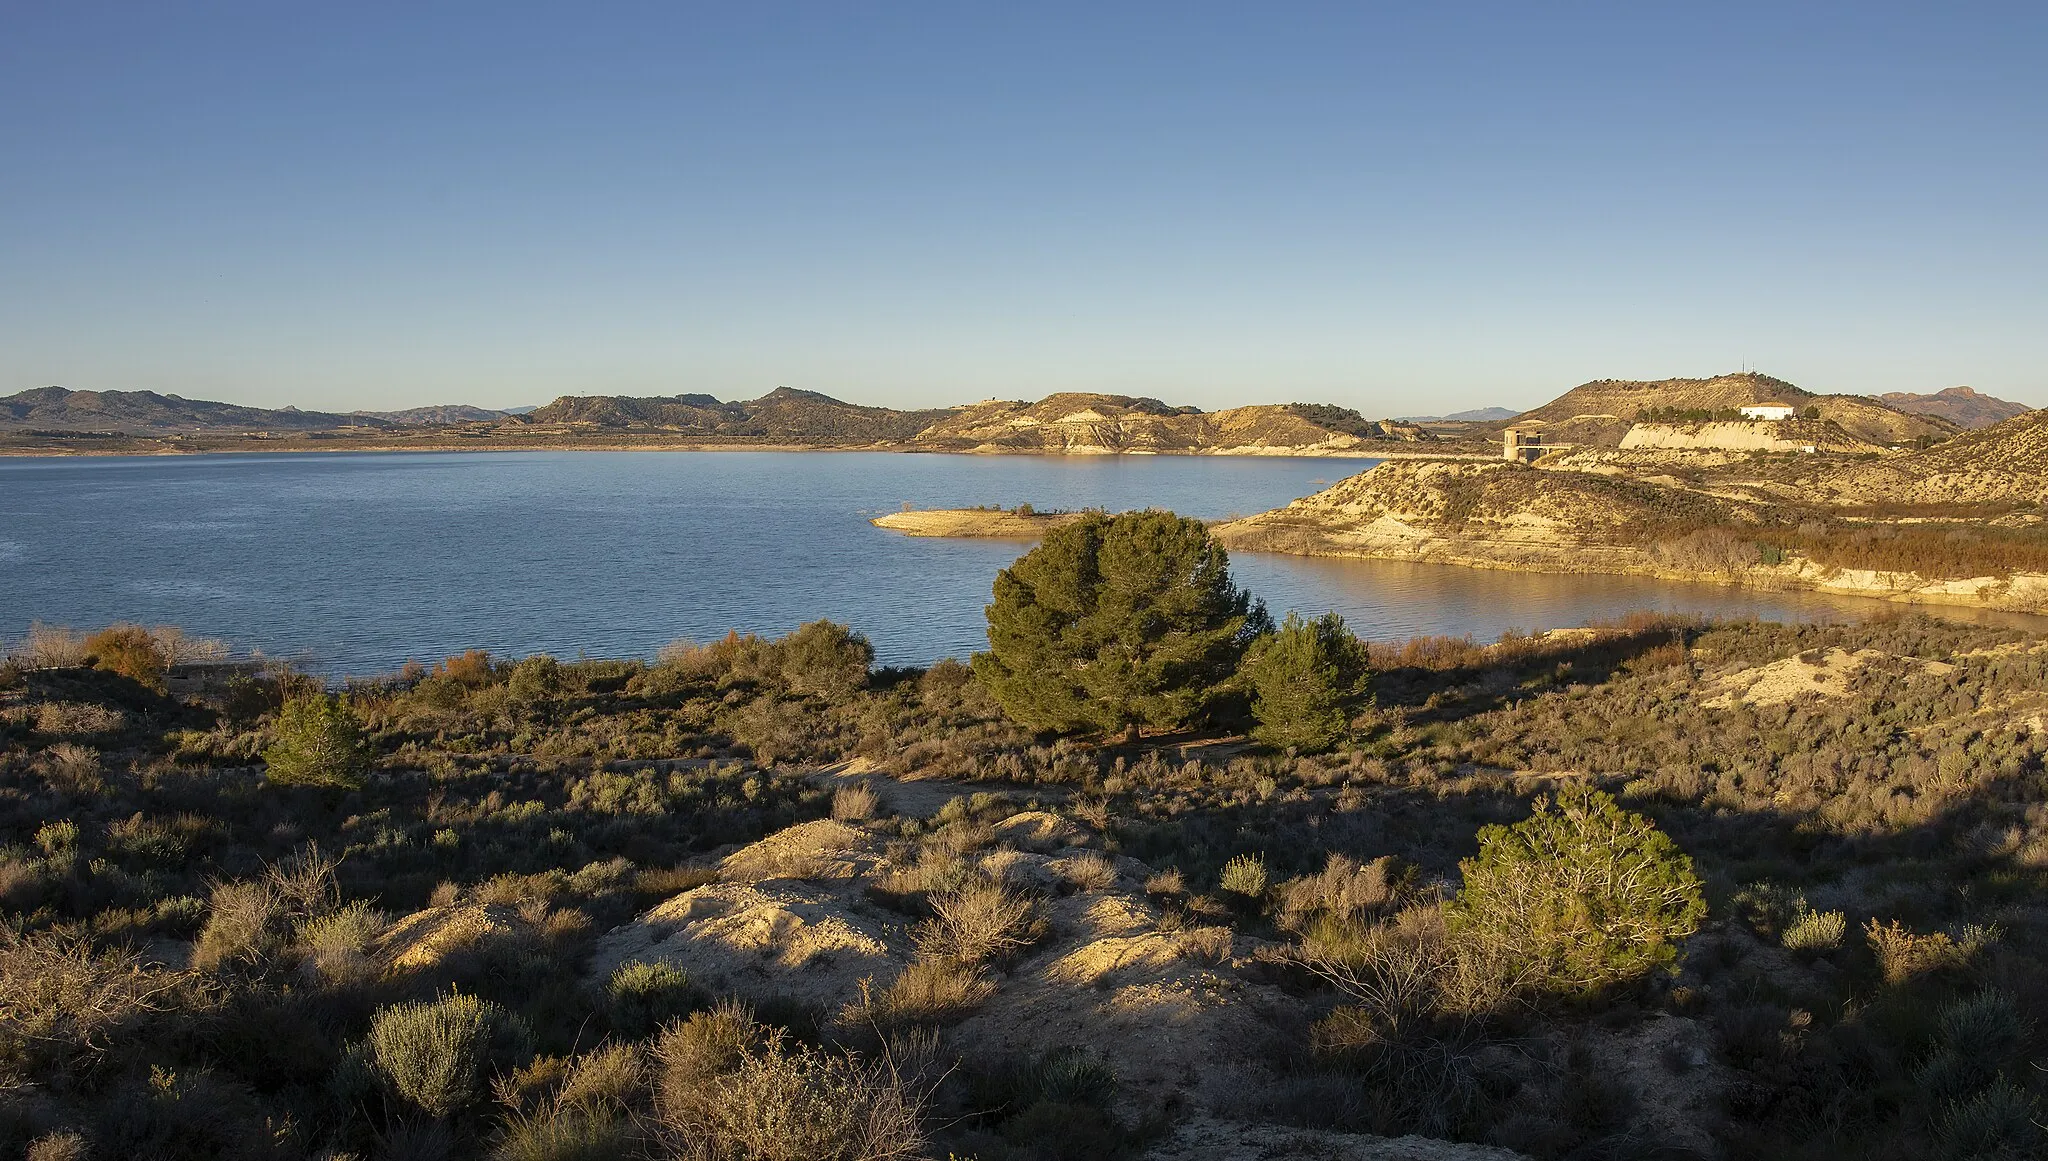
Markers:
{"x": 1580, "y": 895}
{"x": 319, "y": 743}
{"x": 1115, "y": 622}
{"x": 1304, "y": 678}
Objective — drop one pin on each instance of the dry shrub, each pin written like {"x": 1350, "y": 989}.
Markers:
{"x": 1903, "y": 955}
{"x": 565, "y": 1134}
{"x": 336, "y": 944}
{"x": 63, "y": 1003}
{"x": 607, "y": 1077}
{"x": 241, "y": 926}
{"x": 977, "y": 922}
{"x": 731, "y": 1089}
{"x": 130, "y": 651}
{"x": 21, "y": 884}
{"x": 472, "y": 669}
{"x": 179, "y": 649}
{"x": 1345, "y": 889}
{"x": 688, "y": 1055}
{"x": 1211, "y": 945}
{"x": 936, "y": 991}
{"x": 72, "y": 719}
{"x": 74, "y": 769}
{"x": 855, "y": 801}
{"x": 1715, "y": 550}
{"x": 1169, "y": 883}
{"x": 59, "y": 1146}
{"x": 1410, "y": 968}
{"x": 1089, "y": 872}
{"x": 49, "y": 647}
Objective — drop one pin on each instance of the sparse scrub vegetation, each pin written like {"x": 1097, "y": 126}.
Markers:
{"x": 1472, "y": 916}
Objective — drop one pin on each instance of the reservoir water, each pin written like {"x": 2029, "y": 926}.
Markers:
{"x": 355, "y": 562}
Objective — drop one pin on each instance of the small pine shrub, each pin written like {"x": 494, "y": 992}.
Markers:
{"x": 1580, "y": 895}
{"x": 1304, "y": 677}
{"x": 319, "y": 743}
{"x": 826, "y": 659}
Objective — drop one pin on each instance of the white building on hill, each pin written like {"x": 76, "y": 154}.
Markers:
{"x": 1769, "y": 411}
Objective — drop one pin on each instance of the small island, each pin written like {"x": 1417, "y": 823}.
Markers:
{"x": 1019, "y": 523}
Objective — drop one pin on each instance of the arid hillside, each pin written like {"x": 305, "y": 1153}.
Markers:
{"x": 1601, "y": 412}
{"x": 1490, "y": 513}
{"x": 761, "y": 901}
{"x": 2005, "y": 464}
{"x": 1954, "y": 525}
{"x": 1959, "y": 405}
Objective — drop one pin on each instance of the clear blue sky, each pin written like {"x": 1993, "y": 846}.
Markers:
{"x": 1404, "y": 208}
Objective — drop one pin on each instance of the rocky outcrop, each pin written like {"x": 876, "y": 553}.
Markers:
{"x": 795, "y": 917}
{"x": 1790, "y": 435}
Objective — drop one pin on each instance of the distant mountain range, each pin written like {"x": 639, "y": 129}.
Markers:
{"x": 441, "y": 415}
{"x": 1063, "y": 423}
{"x": 1596, "y": 414}
{"x": 150, "y": 413}
{"x": 1959, "y": 405}
{"x": 56, "y": 409}
{"x": 1476, "y": 415}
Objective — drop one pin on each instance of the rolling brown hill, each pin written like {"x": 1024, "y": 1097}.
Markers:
{"x": 1959, "y": 405}
{"x": 1600, "y": 413}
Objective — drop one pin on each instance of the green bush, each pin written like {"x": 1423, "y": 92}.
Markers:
{"x": 825, "y": 659}
{"x": 1116, "y": 621}
{"x": 319, "y": 743}
{"x": 1304, "y": 678}
{"x": 1815, "y": 931}
{"x": 1580, "y": 895}
{"x": 434, "y": 1053}
{"x": 641, "y": 997}
{"x": 1245, "y": 875}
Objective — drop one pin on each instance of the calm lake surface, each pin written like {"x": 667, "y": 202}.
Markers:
{"x": 353, "y": 563}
